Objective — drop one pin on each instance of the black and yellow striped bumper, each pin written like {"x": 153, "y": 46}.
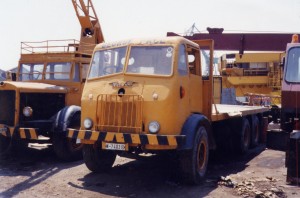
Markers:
{"x": 23, "y": 133}
{"x": 28, "y": 133}
{"x": 140, "y": 139}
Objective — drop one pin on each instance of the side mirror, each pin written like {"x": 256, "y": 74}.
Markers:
{"x": 11, "y": 76}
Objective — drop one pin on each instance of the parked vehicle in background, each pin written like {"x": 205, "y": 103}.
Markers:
{"x": 43, "y": 99}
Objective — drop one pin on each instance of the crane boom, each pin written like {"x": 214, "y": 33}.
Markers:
{"x": 91, "y": 32}
{"x": 242, "y": 41}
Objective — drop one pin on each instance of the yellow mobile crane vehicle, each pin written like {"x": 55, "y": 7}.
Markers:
{"x": 43, "y": 98}
{"x": 149, "y": 95}
{"x": 255, "y": 76}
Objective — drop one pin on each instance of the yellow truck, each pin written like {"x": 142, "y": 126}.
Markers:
{"x": 149, "y": 95}
{"x": 43, "y": 99}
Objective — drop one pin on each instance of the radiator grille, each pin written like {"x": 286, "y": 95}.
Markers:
{"x": 44, "y": 105}
{"x": 119, "y": 113}
{"x": 7, "y": 107}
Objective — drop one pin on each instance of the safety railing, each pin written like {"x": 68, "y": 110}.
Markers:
{"x": 262, "y": 99}
{"x": 52, "y": 46}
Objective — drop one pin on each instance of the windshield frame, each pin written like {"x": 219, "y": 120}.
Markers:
{"x": 127, "y": 54}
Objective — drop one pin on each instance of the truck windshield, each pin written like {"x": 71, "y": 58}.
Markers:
{"x": 58, "y": 71}
{"x": 31, "y": 71}
{"x": 150, "y": 60}
{"x": 106, "y": 62}
{"x": 53, "y": 71}
{"x": 293, "y": 65}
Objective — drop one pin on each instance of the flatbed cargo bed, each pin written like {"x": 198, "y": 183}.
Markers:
{"x": 224, "y": 111}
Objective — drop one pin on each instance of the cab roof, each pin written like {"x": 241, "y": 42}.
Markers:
{"x": 147, "y": 41}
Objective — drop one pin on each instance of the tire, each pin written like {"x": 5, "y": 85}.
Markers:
{"x": 244, "y": 137}
{"x": 5, "y": 146}
{"x": 193, "y": 163}
{"x": 96, "y": 159}
{"x": 10, "y": 146}
{"x": 65, "y": 148}
{"x": 256, "y": 132}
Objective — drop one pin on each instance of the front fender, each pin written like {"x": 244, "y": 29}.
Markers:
{"x": 64, "y": 116}
{"x": 190, "y": 127}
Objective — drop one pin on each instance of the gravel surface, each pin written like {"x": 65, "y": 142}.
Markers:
{"x": 36, "y": 172}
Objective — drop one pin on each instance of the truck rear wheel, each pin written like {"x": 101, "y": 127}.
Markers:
{"x": 256, "y": 131}
{"x": 194, "y": 162}
{"x": 244, "y": 137}
{"x": 66, "y": 148}
{"x": 96, "y": 159}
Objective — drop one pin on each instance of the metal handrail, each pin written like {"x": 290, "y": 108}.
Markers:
{"x": 66, "y": 45}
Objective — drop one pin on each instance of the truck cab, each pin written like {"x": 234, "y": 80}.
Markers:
{"x": 129, "y": 83}
{"x": 290, "y": 107}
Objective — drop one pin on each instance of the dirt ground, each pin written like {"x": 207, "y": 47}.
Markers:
{"x": 36, "y": 172}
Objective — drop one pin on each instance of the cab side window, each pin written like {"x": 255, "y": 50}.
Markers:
{"x": 194, "y": 60}
{"x": 182, "y": 61}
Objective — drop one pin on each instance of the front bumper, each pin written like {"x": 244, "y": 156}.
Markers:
{"x": 23, "y": 133}
{"x": 130, "y": 138}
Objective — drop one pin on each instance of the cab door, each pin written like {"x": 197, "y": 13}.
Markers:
{"x": 195, "y": 80}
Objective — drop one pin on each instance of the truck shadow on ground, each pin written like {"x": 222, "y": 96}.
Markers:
{"x": 157, "y": 176}
{"x": 35, "y": 164}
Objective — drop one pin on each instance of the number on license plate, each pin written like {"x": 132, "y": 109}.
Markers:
{"x": 113, "y": 146}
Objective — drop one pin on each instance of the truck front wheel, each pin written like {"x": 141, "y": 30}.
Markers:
{"x": 66, "y": 148}
{"x": 96, "y": 159}
{"x": 11, "y": 145}
{"x": 5, "y": 146}
{"x": 194, "y": 162}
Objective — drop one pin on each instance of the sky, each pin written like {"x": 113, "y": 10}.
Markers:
{"x": 40, "y": 20}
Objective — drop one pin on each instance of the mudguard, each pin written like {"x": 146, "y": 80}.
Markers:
{"x": 63, "y": 117}
{"x": 190, "y": 127}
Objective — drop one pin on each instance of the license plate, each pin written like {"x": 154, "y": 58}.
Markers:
{"x": 114, "y": 146}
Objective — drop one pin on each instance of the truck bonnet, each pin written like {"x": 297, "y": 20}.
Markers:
{"x": 32, "y": 87}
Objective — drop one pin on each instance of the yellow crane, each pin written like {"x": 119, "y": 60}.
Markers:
{"x": 91, "y": 32}
{"x": 44, "y": 97}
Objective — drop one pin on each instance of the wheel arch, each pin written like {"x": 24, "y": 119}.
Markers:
{"x": 64, "y": 116}
{"x": 190, "y": 127}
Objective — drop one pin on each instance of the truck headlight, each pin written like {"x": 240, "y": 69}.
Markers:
{"x": 27, "y": 111}
{"x": 154, "y": 127}
{"x": 88, "y": 123}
